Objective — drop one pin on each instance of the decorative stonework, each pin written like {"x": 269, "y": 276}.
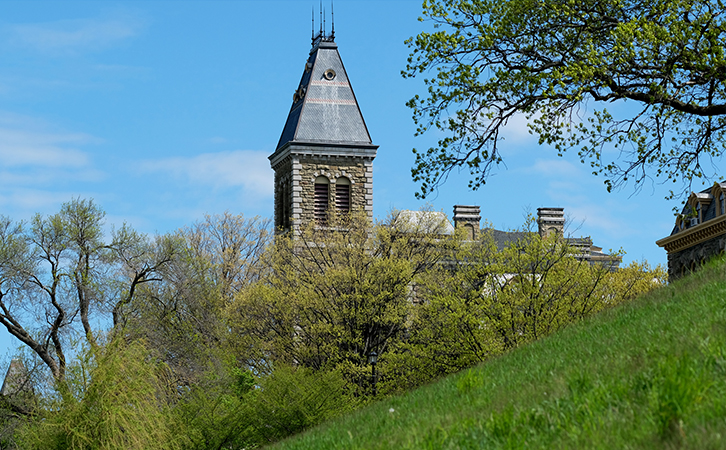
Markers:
{"x": 361, "y": 182}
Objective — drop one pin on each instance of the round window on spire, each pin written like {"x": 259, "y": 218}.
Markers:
{"x": 329, "y": 74}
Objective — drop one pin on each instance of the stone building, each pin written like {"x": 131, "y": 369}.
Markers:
{"x": 323, "y": 162}
{"x": 324, "y": 159}
{"x": 549, "y": 221}
{"x": 699, "y": 232}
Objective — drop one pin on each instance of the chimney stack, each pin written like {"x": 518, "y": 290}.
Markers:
{"x": 550, "y": 220}
{"x": 469, "y": 218}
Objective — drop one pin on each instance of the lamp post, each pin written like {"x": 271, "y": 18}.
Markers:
{"x": 373, "y": 359}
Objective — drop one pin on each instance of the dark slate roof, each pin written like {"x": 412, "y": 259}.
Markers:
{"x": 324, "y": 107}
{"x": 505, "y": 238}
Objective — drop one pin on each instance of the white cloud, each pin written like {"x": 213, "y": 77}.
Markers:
{"x": 27, "y": 142}
{"x": 242, "y": 168}
{"x": 69, "y": 36}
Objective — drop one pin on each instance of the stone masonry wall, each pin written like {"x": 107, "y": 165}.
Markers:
{"x": 357, "y": 170}
{"x": 283, "y": 194}
{"x": 680, "y": 263}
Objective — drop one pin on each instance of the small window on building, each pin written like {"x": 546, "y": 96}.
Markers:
{"x": 698, "y": 213}
{"x": 722, "y": 203}
{"x": 342, "y": 195}
{"x": 320, "y": 207}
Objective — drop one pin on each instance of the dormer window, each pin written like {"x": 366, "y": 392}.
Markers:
{"x": 320, "y": 204}
{"x": 698, "y": 213}
{"x": 722, "y": 204}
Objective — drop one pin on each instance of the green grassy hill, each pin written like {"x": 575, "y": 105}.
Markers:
{"x": 651, "y": 374}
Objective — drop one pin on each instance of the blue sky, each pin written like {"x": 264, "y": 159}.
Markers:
{"x": 162, "y": 111}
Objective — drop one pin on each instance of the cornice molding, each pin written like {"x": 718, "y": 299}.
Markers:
{"x": 694, "y": 236}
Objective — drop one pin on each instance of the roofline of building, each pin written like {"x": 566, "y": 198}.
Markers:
{"x": 323, "y": 148}
{"x": 694, "y": 235}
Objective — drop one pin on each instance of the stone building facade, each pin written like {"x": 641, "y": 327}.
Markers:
{"x": 699, "y": 232}
{"x": 324, "y": 159}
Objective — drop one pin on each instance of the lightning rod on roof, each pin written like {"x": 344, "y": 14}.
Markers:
{"x": 321, "y": 18}
{"x": 332, "y": 21}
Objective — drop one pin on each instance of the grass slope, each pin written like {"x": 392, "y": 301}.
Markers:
{"x": 651, "y": 374}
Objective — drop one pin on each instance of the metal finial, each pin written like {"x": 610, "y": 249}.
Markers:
{"x": 312, "y": 35}
{"x": 323, "y": 21}
{"x": 332, "y": 20}
{"x": 321, "y": 18}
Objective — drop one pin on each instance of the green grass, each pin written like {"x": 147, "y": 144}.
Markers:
{"x": 651, "y": 374}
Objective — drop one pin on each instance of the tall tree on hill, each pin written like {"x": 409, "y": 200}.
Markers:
{"x": 183, "y": 313}
{"x": 59, "y": 273}
{"x": 551, "y": 60}
{"x": 336, "y": 294}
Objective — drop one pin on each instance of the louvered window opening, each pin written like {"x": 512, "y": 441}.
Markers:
{"x": 321, "y": 203}
{"x": 342, "y": 198}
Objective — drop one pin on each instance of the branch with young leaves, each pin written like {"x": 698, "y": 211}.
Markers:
{"x": 551, "y": 61}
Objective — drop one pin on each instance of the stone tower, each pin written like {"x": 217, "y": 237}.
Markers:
{"x": 469, "y": 218}
{"x": 323, "y": 162}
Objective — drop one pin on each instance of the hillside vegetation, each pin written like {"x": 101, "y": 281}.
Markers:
{"x": 648, "y": 374}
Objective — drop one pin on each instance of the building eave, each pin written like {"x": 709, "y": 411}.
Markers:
{"x": 324, "y": 149}
{"x": 694, "y": 236}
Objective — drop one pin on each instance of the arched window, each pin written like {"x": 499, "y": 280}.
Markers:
{"x": 320, "y": 207}
{"x": 342, "y": 195}
{"x": 722, "y": 203}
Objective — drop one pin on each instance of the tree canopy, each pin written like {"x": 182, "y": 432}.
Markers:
{"x": 559, "y": 63}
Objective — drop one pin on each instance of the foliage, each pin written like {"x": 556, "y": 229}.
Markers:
{"x": 123, "y": 405}
{"x": 487, "y": 300}
{"x": 551, "y": 61}
{"x": 333, "y": 295}
{"x": 182, "y": 313}
{"x": 60, "y": 270}
{"x": 648, "y": 374}
{"x": 292, "y": 400}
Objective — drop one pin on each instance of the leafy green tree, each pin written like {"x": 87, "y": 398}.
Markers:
{"x": 123, "y": 405}
{"x": 559, "y": 63}
{"x": 182, "y": 314}
{"x": 58, "y": 273}
{"x": 486, "y": 300}
{"x": 335, "y": 294}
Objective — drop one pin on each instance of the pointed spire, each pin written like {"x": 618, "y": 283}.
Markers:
{"x": 324, "y": 107}
{"x": 332, "y": 21}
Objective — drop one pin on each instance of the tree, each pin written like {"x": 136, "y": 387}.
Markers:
{"x": 552, "y": 60}
{"x": 182, "y": 314}
{"x": 122, "y": 404}
{"x": 486, "y": 300}
{"x": 60, "y": 270}
{"x": 334, "y": 294}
